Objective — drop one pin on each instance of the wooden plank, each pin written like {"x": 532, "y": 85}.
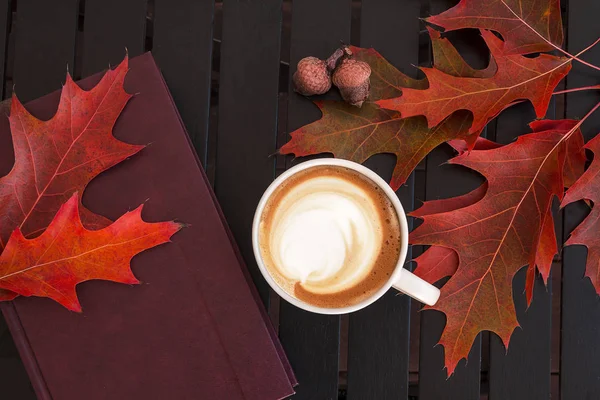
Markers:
{"x": 16, "y": 385}
{"x": 523, "y": 372}
{"x": 442, "y": 182}
{"x": 248, "y": 99}
{"x": 580, "y": 339}
{"x": 44, "y": 46}
{"x": 5, "y": 19}
{"x": 110, "y": 27}
{"x": 312, "y": 341}
{"x": 45, "y": 40}
{"x": 378, "y": 369}
{"x": 182, "y": 47}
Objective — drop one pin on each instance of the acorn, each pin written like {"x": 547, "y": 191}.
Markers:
{"x": 352, "y": 78}
{"x": 312, "y": 77}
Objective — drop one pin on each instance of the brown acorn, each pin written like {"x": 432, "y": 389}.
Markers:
{"x": 352, "y": 77}
{"x": 312, "y": 77}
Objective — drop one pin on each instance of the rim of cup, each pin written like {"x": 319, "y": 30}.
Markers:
{"x": 373, "y": 177}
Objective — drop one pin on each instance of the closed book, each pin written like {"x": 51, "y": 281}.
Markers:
{"x": 194, "y": 328}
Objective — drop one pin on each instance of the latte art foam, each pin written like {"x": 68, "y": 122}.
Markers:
{"x": 327, "y": 233}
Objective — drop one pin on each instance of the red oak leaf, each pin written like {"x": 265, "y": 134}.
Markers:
{"x": 480, "y": 144}
{"x": 439, "y": 262}
{"x": 527, "y": 26}
{"x": 436, "y": 263}
{"x": 575, "y": 161}
{"x": 586, "y": 234}
{"x": 517, "y": 78}
{"x": 573, "y": 168}
{"x": 496, "y": 236}
{"x": 386, "y": 80}
{"x": 66, "y": 254}
{"x": 454, "y": 203}
{"x": 55, "y": 158}
{"x": 358, "y": 133}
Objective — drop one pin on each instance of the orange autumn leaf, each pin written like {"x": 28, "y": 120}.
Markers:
{"x": 55, "y": 158}
{"x": 66, "y": 254}
{"x": 496, "y": 236}
{"x": 527, "y": 26}
{"x": 517, "y": 77}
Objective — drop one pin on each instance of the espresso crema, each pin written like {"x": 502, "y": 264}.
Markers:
{"x": 329, "y": 236}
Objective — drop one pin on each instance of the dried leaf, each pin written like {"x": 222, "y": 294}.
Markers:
{"x": 573, "y": 168}
{"x": 358, "y": 133}
{"x": 66, "y": 254}
{"x": 386, "y": 80}
{"x": 439, "y": 262}
{"x": 496, "y": 236}
{"x": 436, "y": 263}
{"x": 527, "y": 26}
{"x": 55, "y": 158}
{"x": 517, "y": 78}
{"x": 480, "y": 144}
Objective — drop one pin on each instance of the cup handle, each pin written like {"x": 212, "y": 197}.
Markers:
{"x": 415, "y": 287}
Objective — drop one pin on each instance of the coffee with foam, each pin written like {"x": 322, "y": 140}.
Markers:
{"x": 329, "y": 236}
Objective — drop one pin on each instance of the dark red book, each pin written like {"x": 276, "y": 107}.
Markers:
{"x": 194, "y": 328}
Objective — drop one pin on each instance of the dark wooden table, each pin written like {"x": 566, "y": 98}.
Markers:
{"x": 228, "y": 67}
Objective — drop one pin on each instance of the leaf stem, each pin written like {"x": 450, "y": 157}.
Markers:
{"x": 580, "y": 122}
{"x": 575, "y": 57}
{"x": 579, "y": 89}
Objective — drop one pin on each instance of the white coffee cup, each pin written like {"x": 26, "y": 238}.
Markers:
{"x": 401, "y": 279}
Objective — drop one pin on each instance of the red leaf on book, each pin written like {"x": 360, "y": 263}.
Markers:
{"x": 66, "y": 254}
{"x": 55, "y": 158}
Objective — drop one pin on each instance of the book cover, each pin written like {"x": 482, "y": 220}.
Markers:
{"x": 194, "y": 328}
